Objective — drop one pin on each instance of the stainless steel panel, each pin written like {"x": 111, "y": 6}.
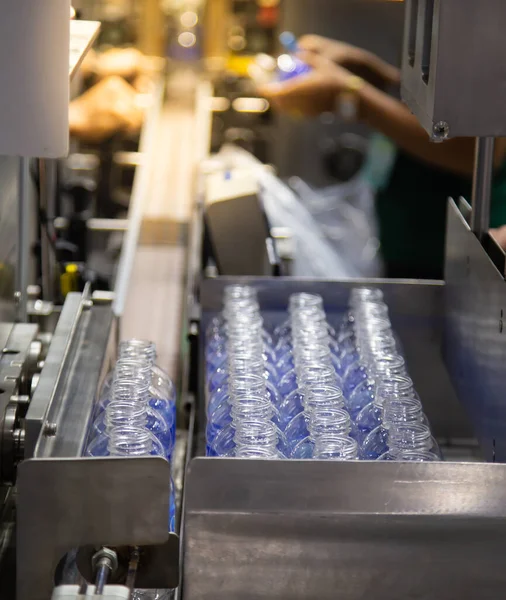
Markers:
{"x": 444, "y": 81}
{"x": 475, "y": 342}
{"x": 65, "y": 500}
{"x": 417, "y": 314}
{"x": 54, "y": 364}
{"x": 64, "y": 503}
{"x": 326, "y": 529}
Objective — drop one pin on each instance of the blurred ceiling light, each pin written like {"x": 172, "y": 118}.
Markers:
{"x": 236, "y": 43}
{"x": 237, "y": 30}
{"x": 286, "y": 63}
{"x": 189, "y": 19}
{"x": 250, "y": 105}
{"x": 219, "y": 104}
{"x": 187, "y": 39}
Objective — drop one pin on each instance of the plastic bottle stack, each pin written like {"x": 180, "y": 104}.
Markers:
{"x": 313, "y": 406}
{"x": 314, "y": 392}
{"x": 136, "y": 412}
{"x": 243, "y": 414}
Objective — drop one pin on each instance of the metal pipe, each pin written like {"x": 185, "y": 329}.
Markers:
{"x": 482, "y": 185}
{"x": 23, "y": 250}
{"x": 46, "y": 199}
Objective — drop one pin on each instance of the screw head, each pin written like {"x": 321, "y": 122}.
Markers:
{"x": 440, "y": 131}
{"x": 87, "y": 304}
{"x": 50, "y": 429}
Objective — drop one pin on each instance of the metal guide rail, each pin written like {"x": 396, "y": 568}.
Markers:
{"x": 66, "y": 501}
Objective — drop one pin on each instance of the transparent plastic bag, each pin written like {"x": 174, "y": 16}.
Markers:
{"x": 330, "y": 231}
{"x": 346, "y": 216}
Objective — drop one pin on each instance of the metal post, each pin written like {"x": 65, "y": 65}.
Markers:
{"x": 23, "y": 249}
{"x": 482, "y": 185}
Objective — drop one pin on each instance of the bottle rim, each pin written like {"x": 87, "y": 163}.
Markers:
{"x": 335, "y": 447}
{"x": 398, "y": 410}
{"x": 133, "y": 441}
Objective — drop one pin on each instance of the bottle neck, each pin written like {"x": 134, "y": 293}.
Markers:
{"x": 328, "y": 421}
{"x": 398, "y": 411}
{"x": 251, "y": 408}
{"x": 335, "y": 448}
{"x": 255, "y": 433}
{"x": 409, "y": 437}
{"x": 138, "y": 349}
{"x": 133, "y": 441}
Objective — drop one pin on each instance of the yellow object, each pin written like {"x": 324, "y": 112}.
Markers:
{"x": 69, "y": 281}
{"x": 240, "y": 64}
{"x": 348, "y": 98}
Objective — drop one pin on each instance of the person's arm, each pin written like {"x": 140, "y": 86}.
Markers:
{"x": 392, "y": 118}
{"x": 360, "y": 62}
{"x": 319, "y": 90}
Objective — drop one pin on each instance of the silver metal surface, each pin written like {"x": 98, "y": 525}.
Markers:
{"x": 482, "y": 186}
{"x": 475, "y": 342}
{"x": 417, "y": 313}
{"x": 444, "y": 82}
{"x": 79, "y": 502}
{"x": 54, "y": 365}
{"x": 353, "y": 530}
{"x": 23, "y": 242}
{"x": 83, "y": 501}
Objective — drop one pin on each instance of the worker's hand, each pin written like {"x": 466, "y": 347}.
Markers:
{"x": 310, "y": 94}
{"x": 341, "y": 53}
{"x": 109, "y": 107}
{"x": 356, "y": 60}
{"x": 499, "y": 235}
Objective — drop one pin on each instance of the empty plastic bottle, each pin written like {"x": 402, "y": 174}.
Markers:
{"x": 336, "y": 447}
{"x": 414, "y": 436}
{"x": 396, "y": 412}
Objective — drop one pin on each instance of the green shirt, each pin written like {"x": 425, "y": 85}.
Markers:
{"x": 412, "y": 215}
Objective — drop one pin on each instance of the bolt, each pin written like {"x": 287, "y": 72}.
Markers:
{"x": 50, "y": 429}
{"x": 107, "y": 554}
{"x": 87, "y": 304}
{"x": 441, "y": 131}
{"x": 20, "y": 399}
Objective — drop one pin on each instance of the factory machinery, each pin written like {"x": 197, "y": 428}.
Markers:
{"x": 282, "y": 529}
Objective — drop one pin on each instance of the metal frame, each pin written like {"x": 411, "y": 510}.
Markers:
{"x": 475, "y": 342}
{"x": 84, "y": 501}
{"x": 302, "y": 529}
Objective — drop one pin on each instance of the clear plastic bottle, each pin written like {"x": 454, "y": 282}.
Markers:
{"x": 256, "y": 433}
{"x": 383, "y": 393}
{"x": 316, "y": 398}
{"x": 336, "y": 447}
{"x": 323, "y": 422}
{"x": 162, "y": 390}
{"x": 140, "y": 369}
{"x": 219, "y": 415}
{"x": 130, "y": 400}
{"x": 133, "y": 441}
{"x": 408, "y": 437}
{"x": 307, "y": 376}
{"x": 382, "y": 373}
{"x": 283, "y": 332}
{"x": 244, "y": 410}
{"x": 396, "y": 412}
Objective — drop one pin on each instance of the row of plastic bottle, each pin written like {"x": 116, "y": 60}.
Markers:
{"x": 136, "y": 410}
{"x": 341, "y": 394}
